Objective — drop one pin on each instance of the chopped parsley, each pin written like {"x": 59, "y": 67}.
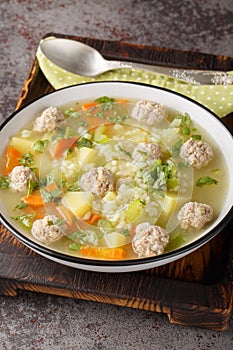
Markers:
{"x": 82, "y": 123}
{"x": 40, "y": 145}
{"x": 176, "y": 148}
{"x": 196, "y": 137}
{"x": 72, "y": 114}
{"x": 127, "y": 153}
{"x": 27, "y": 160}
{"x": 59, "y": 222}
{"x": 84, "y": 237}
{"x": 25, "y": 220}
{"x": 21, "y": 205}
{"x": 206, "y": 180}
{"x": 74, "y": 246}
{"x": 4, "y": 182}
{"x": 186, "y": 120}
{"x": 105, "y": 99}
{"x": 71, "y": 186}
{"x": 49, "y": 196}
{"x": 83, "y": 142}
{"x": 125, "y": 232}
{"x": 32, "y": 186}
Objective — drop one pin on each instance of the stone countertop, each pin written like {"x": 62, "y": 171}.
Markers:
{"x": 37, "y": 321}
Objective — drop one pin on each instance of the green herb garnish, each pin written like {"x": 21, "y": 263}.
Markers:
{"x": 186, "y": 120}
{"x": 40, "y": 145}
{"x": 74, "y": 246}
{"x": 196, "y": 137}
{"x": 71, "y": 186}
{"x": 125, "y": 232}
{"x": 127, "y": 153}
{"x": 206, "y": 180}
{"x": 104, "y": 99}
{"x": 83, "y": 142}
{"x": 82, "y": 123}
{"x": 72, "y": 114}
{"x": 21, "y": 205}
{"x": 185, "y": 131}
{"x": 59, "y": 222}
{"x": 50, "y": 196}
{"x": 4, "y": 182}
{"x": 32, "y": 185}
{"x": 25, "y": 220}
{"x": 176, "y": 148}
{"x": 27, "y": 160}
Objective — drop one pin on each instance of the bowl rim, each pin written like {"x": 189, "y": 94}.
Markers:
{"x": 117, "y": 263}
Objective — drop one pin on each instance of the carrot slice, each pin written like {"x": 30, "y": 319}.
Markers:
{"x": 93, "y": 219}
{"x": 57, "y": 150}
{"x": 68, "y": 216}
{"x": 86, "y": 106}
{"x": 34, "y": 199}
{"x": 104, "y": 253}
{"x": 12, "y": 158}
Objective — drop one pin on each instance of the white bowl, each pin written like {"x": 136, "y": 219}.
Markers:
{"x": 200, "y": 114}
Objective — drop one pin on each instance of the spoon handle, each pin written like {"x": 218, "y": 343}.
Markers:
{"x": 191, "y": 76}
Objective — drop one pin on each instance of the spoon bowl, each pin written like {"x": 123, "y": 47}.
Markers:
{"x": 84, "y": 60}
{"x": 77, "y": 57}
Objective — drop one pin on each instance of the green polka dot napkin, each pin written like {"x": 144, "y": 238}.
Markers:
{"x": 218, "y": 98}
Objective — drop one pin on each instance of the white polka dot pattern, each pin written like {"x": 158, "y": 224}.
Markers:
{"x": 218, "y": 98}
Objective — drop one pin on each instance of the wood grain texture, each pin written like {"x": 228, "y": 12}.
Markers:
{"x": 195, "y": 290}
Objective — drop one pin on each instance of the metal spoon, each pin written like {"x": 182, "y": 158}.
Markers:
{"x": 84, "y": 60}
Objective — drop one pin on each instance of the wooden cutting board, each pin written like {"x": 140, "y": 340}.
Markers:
{"x": 196, "y": 290}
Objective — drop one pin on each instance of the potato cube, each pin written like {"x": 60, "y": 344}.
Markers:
{"x": 78, "y": 202}
{"x": 114, "y": 239}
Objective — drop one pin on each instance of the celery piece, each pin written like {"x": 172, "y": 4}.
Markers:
{"x": 134, "y": 209}
{"x": 99, "y": 134}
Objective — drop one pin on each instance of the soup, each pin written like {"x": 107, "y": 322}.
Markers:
{"x": 113, "y": 179}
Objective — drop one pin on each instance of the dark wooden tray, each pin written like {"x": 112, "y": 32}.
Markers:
{"x": 196, "y": 290}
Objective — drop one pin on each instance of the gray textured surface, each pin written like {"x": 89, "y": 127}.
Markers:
{"x": 35, "y": 321}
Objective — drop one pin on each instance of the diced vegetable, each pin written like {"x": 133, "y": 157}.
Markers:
{"x": 93, "y": 219}
{"x": 134, "y": 209}
{"x": 103, "y": 253}
{"x": 99, "y": 134}
{"x": 86, "y": 106}
{"x": 110, "y": 196}
{"x": 50, "y": 192}
{"x": 34, "y": 199}
{"x": 86, "y": 155}
{"x": 68, "y": 216}
{"x": 78, "y": 202}
{"x": 176, "y": 240}
{"x": 13, "y": 157}
{"x": 104, "y": 224}
{"x": 21, "y": 144}
{"x": 168, "y": 205}
{"x": 57, "y": 149}
{"x": 114, "y": 239}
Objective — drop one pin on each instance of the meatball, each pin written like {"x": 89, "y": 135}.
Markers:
{"x": 148, "y": 112}
{"x": 49, "y": 229}
{"x": 98, "y": 180}
{"x": 20, "y": 176}
{"x": 147, "y": 152}
{"x": 196, "y": 152}
{"x": 149, "y": 240}
{"x": 49, "y": 120}
{"x": 195, "y": 215}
